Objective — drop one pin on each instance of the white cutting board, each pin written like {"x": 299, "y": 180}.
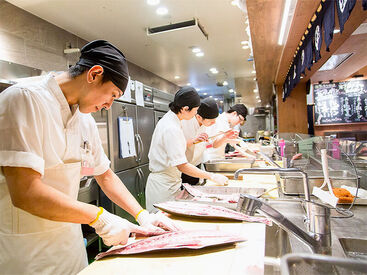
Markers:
{"x": 242, "y": 258}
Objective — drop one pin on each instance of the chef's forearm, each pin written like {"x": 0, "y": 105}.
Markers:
{"x": 30, "y": 194}
{"x": 115, "y": 189}
{"x": 219, "y": 142}
{"x": 191, "y": 170}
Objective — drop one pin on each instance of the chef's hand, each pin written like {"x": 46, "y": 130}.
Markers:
{"x": 200, "y": 138}
{"x": 154, "y": 221}
{"x": 115, "y": 230}
{"x": 219, "y": 179}
{"x": 233, "y": 134}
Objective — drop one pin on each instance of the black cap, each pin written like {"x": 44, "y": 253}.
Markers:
{"x": 113, "y": 61}
{"x": 240, "y": 109}
{"x": 186, "y": 96}
{"x": 208, "y": 108}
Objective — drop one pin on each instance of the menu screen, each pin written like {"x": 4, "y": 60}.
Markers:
{"x": 341, "y": 102}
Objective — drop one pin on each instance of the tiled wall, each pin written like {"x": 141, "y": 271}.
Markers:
{"x": 28, "y": 40}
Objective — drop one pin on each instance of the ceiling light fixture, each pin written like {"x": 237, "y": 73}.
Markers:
{"x": 245, "y": 47}
{"x": 196, "y": 50}
{"x": 162, "y": 11}
{"x": 253, "y": 72}
{"x": 199, "y": 54}
{"x": 205, "y": 93}
{"x": 210, "y": 96}
{"x": 231, "y": 90}
{"x": 188, "y": 84}
{"x": 284, "y": 21}
{"x": 213, "y": 70}
{"x": 177, "y": 77}
{"x": 153, "y": 2}
{"x": 255, "y": 90}
{"x": 215, "y": 99}
{"x": 244, "y": 42}
{"x": 198, "y": 89}
{"x": 221, "y": 101}
{"x": 259, "y": 101}
{"x": 225, "y": 83}
{"x": 234, "y": 2}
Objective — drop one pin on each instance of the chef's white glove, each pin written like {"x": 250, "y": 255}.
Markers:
{"x": 154, "y": 221}
{"x": 113, "y": 229}
{"x": 219, "y": 179}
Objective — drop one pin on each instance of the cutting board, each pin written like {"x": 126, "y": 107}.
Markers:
{"x": 241, "y": 258}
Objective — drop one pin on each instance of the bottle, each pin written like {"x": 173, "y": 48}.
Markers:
{"x": 281, "y": 144}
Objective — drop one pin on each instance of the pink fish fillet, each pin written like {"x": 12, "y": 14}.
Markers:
{"x": 233, "y": 198}
{"x": 202, "y": 210}
{"x": 193, "y": 239}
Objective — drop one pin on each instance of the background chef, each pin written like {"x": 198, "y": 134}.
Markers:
{"x": 47, "y": 138}
{"x": 196, "y": 136}
{"x": 167, "y": 158}
{"x": 225, "y": 122}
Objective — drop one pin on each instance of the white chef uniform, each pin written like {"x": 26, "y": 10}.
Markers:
{"x": 39, "y": 131}
{"x": 191, "y": 129}
{"x": 221, "y": 125}
{"x": 167, "y": 150}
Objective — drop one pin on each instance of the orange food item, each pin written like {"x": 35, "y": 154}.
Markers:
{"x": 343, "y": 194}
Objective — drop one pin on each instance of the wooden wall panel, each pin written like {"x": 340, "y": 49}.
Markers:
{"x": 292, "y": 114}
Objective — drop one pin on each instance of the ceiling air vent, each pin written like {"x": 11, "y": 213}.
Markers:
{"x": 194, "y": 23}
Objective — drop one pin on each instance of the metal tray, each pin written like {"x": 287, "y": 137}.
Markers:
{"x": 227, "y": 165}
{"x": 292, "y": 183}
{"x": 221, "y": 190}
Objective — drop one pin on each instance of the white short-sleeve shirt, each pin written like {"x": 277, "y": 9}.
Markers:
{"x": 221, "y": 125}
{"x": 192, "y": 129}
{"x": 39, "y": 131}
{"x": 168, "y": 144}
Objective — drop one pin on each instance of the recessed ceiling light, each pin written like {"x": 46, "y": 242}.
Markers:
{"x": 253, "y": 72}
{"x": 153, "y": 2}
{"x": 255, "y": 90}
{"x": 254, "y": 78}
{"x": 259, "y": 101}
{"x": 188, "y": 84}
{"x": 213, "y": 70}
{"x": 225, "y": 83}
{"x": 257, "y": 96}
{"x": 231, "y": 90}
{"x": 234, "y": 2}
{"x": 205, "y": 93}
{"x": 244, "y": 42}
{"x": 197, "y": 89}
{"x": 245, "y": 47}
{"x": 221, "y": 101}
{"x": 162, "y": 11}
{"x": 196, "y": 50}
{"x": 215, "y": 99}
{"x": 210, "y": 96}
{"x": 177, "y": 77}
{"x": 199, "y": 54}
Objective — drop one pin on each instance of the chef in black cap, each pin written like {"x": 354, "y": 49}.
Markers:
{"x": 196, "y": 136}
{"x": 225, "y": 123}
{"x": 167, "y": 154}
{"x": 48, "y": 140}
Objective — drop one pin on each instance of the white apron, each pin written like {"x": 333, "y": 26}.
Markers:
{"x": 33, "y": 245}
{"x": 162, "y": 186}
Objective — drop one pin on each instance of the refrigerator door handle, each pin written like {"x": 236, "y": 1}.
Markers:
{"x": 137, "y": 157}
{"x": 142, "y": 148}
{"x": 141, "y": 196}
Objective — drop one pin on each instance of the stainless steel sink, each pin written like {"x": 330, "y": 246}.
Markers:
{"x": 319, "y": 264}
{"x": 291, "y": 184}
{"x": 355, "y": 248}
{"x": 276, "y": 245}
